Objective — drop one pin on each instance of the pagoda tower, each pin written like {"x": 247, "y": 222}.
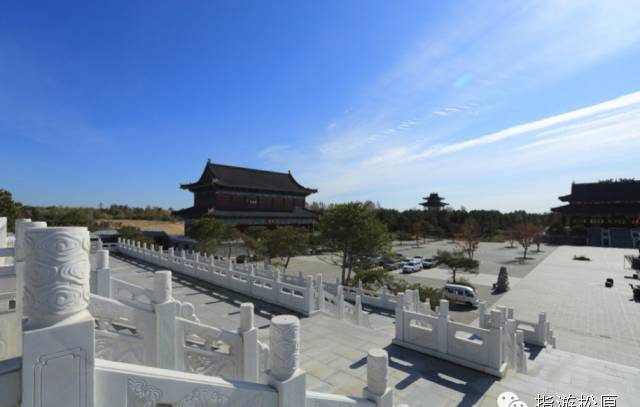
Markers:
{"x": 433, "y": 202}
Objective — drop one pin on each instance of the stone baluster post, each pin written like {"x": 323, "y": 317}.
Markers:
{"x": 320, "y": 291}
{"x": 58, "y": 342}
{"x": 340, "y": 302}
{"x": 384, "y": 298}
{"x": 284, "y": 372}
{"x": 482, "y": 310}
{"x": 359, "y": 289}
{"x": 400, "y": 317}
{"x": 166, "y": 312}
{"x": 309, "y": 295}
{"x": 521, "y": 366}
{"x": 443, "y": 326}
{"x": 276, "y": 286}
{"x": 103, "y": 274}
{"x": 416, "y": 300}
{"x": 267, "y": 264}
{"x": 510, "y": 313}
{"x": 408, "y": 300}
{"x": 196, "y": 257}
{"x": 18, "y": 260}
{"x": 358, "y": 307}
{"x": 377, "y": 389}
{"x": 21, "y": 226}
{"x": 3, "y": 237}
{"x": 541, "y": 332}
{"x": 510, "y": 345}
{"x": 249, "y": 333}
{"x": 251, "y": 278}
{"x": 496, "y": 338}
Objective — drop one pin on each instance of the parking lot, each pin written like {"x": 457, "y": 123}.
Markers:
{"x": 491, "y": 256}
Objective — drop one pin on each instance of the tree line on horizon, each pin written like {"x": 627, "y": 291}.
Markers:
{"x": 93, "y": 218}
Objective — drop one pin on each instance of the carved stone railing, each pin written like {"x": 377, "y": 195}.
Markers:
{"x": 382, "y": 299}
{"x": 132, "y": 294}
{"x": 337, "y": 307}
{"x": 268, "y": 286}
{"x": 150, "y": 327}
{"x": 534, "y": 333}
{"x": 491, "y": 350}
{"x": 60, "y": 368}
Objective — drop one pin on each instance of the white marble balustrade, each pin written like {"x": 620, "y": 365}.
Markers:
{"x": 243, "y": 279}
{"x": 492, "y": 350}
{"x": 64, "y": 322}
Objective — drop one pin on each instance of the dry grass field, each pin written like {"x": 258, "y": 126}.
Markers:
{"x": 171, "y": 228}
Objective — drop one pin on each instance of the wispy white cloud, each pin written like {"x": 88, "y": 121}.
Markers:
{"x": 274, "y": 153}
{"x": 416, "y": 126}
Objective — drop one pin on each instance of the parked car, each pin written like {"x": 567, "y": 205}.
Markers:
{"x": 428, "y": 263}
{"x": 242, "y": 259}
{"x": 390, "y": 263}
{"x": 460, "y": 294}
{"x": 412, "y": 266}
{"x": 393, "y": 265}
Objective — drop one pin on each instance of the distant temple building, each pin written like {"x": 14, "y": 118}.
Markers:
{"x": 433, "y": 202}
{"x": 609, "y": 209}
{"x": 248, "y": 197}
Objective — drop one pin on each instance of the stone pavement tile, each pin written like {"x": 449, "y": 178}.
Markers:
{"x": 417, "y": 397}
{"x": 352, "y": 354}
{"x": 315, "y": 384}
{"x": 319, "y": 369}
{"x": 346, "y": 384}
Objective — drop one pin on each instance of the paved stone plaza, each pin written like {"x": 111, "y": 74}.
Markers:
{"x": 587, "y": 317}
{"x": 334, "y": 352}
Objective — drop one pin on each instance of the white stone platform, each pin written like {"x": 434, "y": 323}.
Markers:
{"x": 334, "y": 355}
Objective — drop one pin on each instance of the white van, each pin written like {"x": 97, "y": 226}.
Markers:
{"x": 460, "y": 294}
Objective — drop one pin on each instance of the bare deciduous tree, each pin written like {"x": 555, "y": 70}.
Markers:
{"x": 468, "y": 237}
{"x": 525, "y": 234}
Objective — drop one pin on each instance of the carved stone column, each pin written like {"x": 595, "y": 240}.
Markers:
{"x": 284, "y": 342}
{"x": 284, "y": 361}
{"x": 22, "y": 225}
{"x": 3, "y": 237}
{"x": 103, "y": 274}
{"x": 249, "y": 334}
{"x": 377, "y": 389}
{"x": 58, "y": 342}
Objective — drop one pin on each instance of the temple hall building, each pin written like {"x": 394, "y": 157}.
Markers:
{"x": 610, "y": 210}
{"x": 248, "y": 197}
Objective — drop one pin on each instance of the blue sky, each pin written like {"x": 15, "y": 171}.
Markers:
{"x": 492, "y": 104}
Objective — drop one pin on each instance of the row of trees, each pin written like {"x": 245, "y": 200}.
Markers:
{"x": 85, "y": 216}
{"x": 412, "y": 223}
